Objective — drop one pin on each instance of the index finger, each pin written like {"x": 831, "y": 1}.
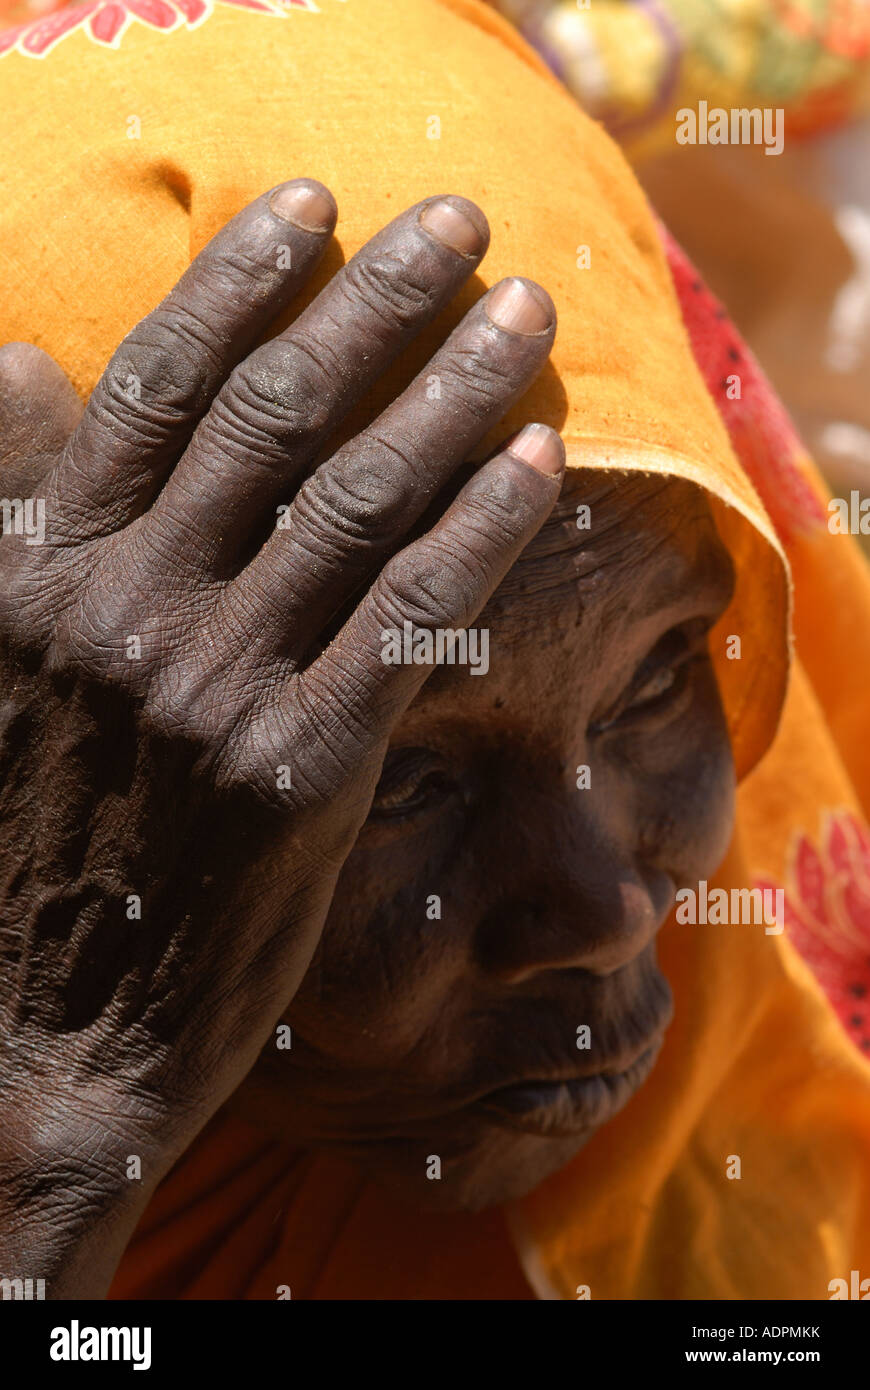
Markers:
{"x": 167, "y": 370}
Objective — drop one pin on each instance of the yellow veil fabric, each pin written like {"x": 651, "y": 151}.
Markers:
{"x": 122, "y": 157}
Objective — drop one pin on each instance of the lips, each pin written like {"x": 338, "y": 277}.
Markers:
{"x": 566, "y": 1107}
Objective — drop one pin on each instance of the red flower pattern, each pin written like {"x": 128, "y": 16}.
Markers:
{"x": 827, "y": 916}
{"x": 104, "y": 21}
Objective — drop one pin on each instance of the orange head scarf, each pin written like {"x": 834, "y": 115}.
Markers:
{"x": 139, "y": 143}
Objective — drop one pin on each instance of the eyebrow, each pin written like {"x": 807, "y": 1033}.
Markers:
{"x": 679, "y": 577}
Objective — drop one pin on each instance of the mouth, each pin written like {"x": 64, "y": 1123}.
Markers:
{"x": 560, "y": 1108}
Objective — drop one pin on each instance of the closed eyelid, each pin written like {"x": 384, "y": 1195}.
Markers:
{"x": 679, "y": 646}
{"x": 406, "y": 771}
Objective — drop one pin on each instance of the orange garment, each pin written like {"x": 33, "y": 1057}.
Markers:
{"x": 244, "y": 1217}
{"x": 387, "y": 104}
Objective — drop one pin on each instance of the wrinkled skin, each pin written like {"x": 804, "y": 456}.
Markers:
{"x": 551, "y": 896}
{"x": 168, "y": 653}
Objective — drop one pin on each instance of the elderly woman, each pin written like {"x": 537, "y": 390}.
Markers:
{"x": 327, "y": 971}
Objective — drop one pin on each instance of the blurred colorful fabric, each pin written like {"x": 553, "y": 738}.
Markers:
{"x": 633, "y": 63}
{"x": 13, "y": 12}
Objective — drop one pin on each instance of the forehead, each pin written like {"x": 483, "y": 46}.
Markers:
{"x": 645, "y": 556}
{"x": 637, "y": 539}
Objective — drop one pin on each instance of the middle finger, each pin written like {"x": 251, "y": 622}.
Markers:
{"x": 279, "y": 405}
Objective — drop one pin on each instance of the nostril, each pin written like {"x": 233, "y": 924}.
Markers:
{"x": 597, "y": 935}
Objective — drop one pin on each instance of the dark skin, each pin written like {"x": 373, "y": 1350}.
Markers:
{"x": 161, "y": 774}
{"x": 551, "y": 896}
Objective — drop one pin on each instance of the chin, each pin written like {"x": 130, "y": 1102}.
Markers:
{"x": 499, "y": 1168}
{"x": 494, "y": 1150}
{"x": 485, "y": 1160}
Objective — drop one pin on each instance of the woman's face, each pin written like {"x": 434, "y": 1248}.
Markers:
{"x": 493, "y": 907}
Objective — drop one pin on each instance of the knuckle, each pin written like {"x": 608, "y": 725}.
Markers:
{"x": 194, "y": 343}
{"x": 331, "y": 722}
{"x": 185, "y": 702}
{"x": 481, "y": 379}
{"x": 494, "y": 513}
{"x": 394, "y": 289}
{"x": 92, "y": 638}
{"x": 459, "y": 569}
{"x": 145, "y": 421}
{"x": 356, "y": 498}
{"x": 434, "y": 587}
{"x": 318, "y": 730}
{"x": 194, "y": 692}
{"x": 162, "y": 369}
{"x": 282, "y": 394}
{"x": 120, "y": 633}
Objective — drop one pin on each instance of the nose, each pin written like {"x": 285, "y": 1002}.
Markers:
{"x": 581, "y": 903}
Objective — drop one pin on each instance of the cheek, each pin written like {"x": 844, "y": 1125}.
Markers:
{"x": 378, "y": 974}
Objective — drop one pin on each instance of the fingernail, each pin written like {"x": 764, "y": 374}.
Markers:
{"x": 541, "y": 447}
{"x": 304, "y": 206}
{"x": 514, "y": 305}
{"x": 453, "y": 227}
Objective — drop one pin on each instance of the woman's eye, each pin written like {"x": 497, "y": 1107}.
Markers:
{"x": 662, "y": 676}
{"x": 412, "y": 780}
{"x": 657, "y": 685}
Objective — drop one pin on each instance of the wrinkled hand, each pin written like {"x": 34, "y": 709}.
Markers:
{"x": 188, "y": 747}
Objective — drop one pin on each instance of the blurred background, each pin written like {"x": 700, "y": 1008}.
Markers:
{"x": 783, "y": 240}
